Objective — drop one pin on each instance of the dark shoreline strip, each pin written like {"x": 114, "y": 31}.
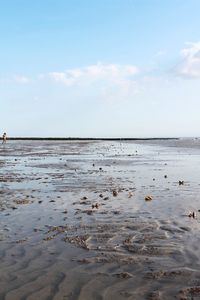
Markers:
{"x": 86, "y": 139}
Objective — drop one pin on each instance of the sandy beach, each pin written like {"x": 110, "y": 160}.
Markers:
{"x": 100, "y": 220}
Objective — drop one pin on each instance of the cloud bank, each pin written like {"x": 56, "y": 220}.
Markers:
{"x": 115, "y": 78}
{"x": 21, "y": 79}
{"x": 108, "y": 72}
{"x": 189, "y": 67}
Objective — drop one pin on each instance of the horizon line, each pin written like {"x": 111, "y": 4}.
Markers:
{"x": 92, "y": 138}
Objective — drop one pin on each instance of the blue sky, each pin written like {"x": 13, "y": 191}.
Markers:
{"x": 108, "y": 68}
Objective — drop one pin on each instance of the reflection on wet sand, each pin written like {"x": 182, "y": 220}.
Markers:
{"x": 99, "y": 220}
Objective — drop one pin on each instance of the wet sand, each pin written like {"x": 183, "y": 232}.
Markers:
{"x": 100, "y": 220}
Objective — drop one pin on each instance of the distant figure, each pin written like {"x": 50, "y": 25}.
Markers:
{"x": 4, "y": 138}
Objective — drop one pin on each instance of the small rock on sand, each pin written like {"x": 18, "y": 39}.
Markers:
{"x": 192, "y": 214}
{"x": 148, "y": 198}
{"x": 95, "y": 205}
{"x": 115, "y": 193}
{"x": 124, "y": 275}
{"x": 181, "y": 182}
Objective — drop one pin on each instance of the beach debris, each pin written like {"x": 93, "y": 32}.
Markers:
{"x": 192, "y": 291}
{"x": 79, "y": 240}
{"x": 95, "y": 205}
{"x": 89, "y": 212}
{"x": 155, "y": 295}
{"x": 49, "y": 238}
{"x": 100, "y": 169}
{"x": 40, "y": 201}
{"x": 23, "y": 201}
{"x": 37, "y": 229}
{"x": 123, "y": 275}
{"x": 85, "y": 202}
{"x": 130, "y": 195}
{"x": 101, "y": 195}
{"x": 192, "y": 214}
{"x": 181, "y": 182}
{"x": 165, "y": 176}
{"x": 115, "y": 193}
{"x": 13, "y": 207}
{"x": 84, "y": 198}
{"x": 148, "y": 198}
{"x": 57, "y": 229}
{"x": 20, "y": 241}
{"x": 83, "y": 261}
{"x": 105, "y": 198}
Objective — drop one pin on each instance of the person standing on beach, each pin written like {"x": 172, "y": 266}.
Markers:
{"x": 4, "y": 138}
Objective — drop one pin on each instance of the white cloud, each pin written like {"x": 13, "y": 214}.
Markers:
{"x": 107, "y": 81}
{"x": 161, "y": 53}
{"x": 190, "y": 65}
{"x": 21, "y": 79}
{"x": 98, "y": 72}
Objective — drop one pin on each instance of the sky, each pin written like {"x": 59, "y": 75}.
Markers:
{"x": 108, "y": 68}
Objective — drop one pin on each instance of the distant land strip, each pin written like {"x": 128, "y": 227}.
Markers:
{"x": 86, "y": 139}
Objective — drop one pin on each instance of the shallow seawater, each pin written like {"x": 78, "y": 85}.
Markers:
{"x": 75, "y": 223}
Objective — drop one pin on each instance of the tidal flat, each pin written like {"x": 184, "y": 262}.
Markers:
{"x": 93, "y": 220}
